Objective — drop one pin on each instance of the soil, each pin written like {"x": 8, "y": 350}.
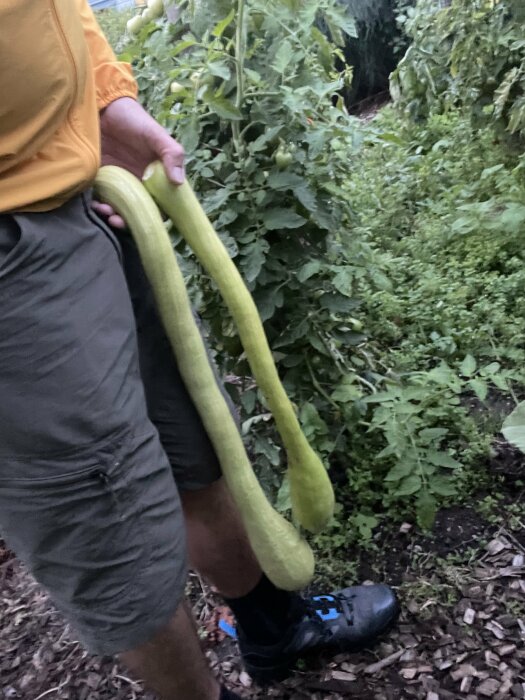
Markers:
{"x": 461, "y": 633}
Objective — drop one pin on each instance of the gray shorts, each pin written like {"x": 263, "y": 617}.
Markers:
{"x": 97, "y": 431}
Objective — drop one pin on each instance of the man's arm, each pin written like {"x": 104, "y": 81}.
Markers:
{"x": 131, "y": 138}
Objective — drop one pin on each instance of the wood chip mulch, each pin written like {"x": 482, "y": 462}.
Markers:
{"x": 470, "y": 646}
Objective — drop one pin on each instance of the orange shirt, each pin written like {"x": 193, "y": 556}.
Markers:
{"x": 56, "y": 72}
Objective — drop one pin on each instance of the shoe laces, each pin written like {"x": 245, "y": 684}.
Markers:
{"x": 326, "y": 608}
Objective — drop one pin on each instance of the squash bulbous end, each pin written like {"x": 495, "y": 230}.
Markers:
{"x": 312, "y": 496}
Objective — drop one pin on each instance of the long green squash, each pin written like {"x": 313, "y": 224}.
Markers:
{"x": 311, "y": 491}
{"x": 284, "y": 556}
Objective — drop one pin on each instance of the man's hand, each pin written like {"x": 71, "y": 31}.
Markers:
{"x": 132, "y": 139}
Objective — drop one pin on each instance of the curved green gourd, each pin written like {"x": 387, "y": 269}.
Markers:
{"x": 284, "y": 556}
{"x": 311, "y": 491}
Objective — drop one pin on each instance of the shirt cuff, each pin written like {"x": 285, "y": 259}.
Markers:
{"x": 114, "y": 80}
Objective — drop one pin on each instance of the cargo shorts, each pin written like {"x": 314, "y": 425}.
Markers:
{"x": 97, "y": 431}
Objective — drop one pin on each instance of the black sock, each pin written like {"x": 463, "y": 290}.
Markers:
{"x": 228, "y": 695}
{"x": 265, "y": 612}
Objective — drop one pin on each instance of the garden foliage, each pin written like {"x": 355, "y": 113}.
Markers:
{"x": 385, "y": 258}
{"x": 471, "y": 54}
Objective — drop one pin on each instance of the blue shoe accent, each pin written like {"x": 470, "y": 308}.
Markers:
{"x": 228, "y": 629}
{"x": 326, "y": 612}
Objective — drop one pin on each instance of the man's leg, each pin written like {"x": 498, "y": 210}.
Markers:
{"x": 220, "y": 551}
{"x": 217, "y": 543}
{"x": 172, "y": 662}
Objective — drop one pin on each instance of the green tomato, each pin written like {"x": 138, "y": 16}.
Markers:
{"x": 135, "y": 24}
{"x": 282, "y": 158}
{"x": 356, "y": 324}
{"x": 257, "y": 19}
{"x": 156, "y": 8}
{"x": 177, "y": 89}
{"x": 199, "y": 78}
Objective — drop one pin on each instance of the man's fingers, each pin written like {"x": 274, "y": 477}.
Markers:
{"x": 172, "y": 155}
{"x": 106, "y": 212}
{"x": 173, "y": 162}
{"x": 102, "y": 209}
{"x": 116, "y": 221}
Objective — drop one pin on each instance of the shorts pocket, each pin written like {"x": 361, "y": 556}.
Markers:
{"x": 78, "y": 530}
{"x": 13, "y": 244}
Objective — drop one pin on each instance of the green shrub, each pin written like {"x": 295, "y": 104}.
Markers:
{"x": 469, "y": 54}
{"x": 256, "y": 108}
{"x": 384, "y": 258}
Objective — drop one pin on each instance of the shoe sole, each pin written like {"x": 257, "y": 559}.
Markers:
{"x": 264, "y": 676}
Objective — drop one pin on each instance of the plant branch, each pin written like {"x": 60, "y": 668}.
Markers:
{"x": 319, "y": 388}
{"x": 239, "y": 72}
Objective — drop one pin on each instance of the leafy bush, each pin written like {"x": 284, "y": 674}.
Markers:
{"x": 452, "y": 199}
{"x": 256, "y": 107}
{"x": 384, "y": 258}
{"x": 469, "y": 54}
{"x": 443, "y": 204}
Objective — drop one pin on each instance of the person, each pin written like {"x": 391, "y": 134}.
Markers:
{"x": 109, "y": 486}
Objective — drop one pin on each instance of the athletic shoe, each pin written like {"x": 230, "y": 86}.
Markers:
{"x": 347, "y": 620}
